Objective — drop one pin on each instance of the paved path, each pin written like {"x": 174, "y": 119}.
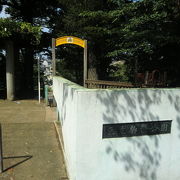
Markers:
{"x": 31, "y": 150}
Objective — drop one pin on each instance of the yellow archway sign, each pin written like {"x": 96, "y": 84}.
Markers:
{"x": 69, "y": 40}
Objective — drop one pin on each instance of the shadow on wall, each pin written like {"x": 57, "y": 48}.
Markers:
{"x": 121, "y": 105}
{"x": 68, "y": 90}
{"x": 175, "y": 102}
{"x": 178, "y": 121}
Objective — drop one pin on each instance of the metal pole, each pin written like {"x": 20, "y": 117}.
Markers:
{"x": 39, "y": 83}
{"x": 46, "y": 94}
{"x": 53, "y": 56}
{"x": 1, "y": 150}
{"x": 85, "y": 63}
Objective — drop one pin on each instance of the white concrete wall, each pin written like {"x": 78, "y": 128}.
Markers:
{"x": 89, "y": 157}
{"x": 66, "y": 99}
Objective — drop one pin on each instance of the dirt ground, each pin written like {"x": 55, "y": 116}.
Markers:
{"x": 31, "y": 150}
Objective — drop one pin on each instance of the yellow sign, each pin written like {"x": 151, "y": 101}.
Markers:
{"x": 70, "y": 40}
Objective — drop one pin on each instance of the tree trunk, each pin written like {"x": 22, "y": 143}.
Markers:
{"x": 92, "y": 73}
{"x": 28, "y": 83}
{"x": 10, "y": 84}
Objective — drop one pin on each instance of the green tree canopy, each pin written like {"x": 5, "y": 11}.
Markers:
{"x": 10, "y": 28}
{"x": 146, "y": 31}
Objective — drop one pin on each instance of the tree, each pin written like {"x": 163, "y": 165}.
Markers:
{"x": 36, "y": 13}
{"x": 87, "y": 20}
{"x": 149, "y": 32}
{"x": 17, "y": 32}
{"x": 146, "y": 31}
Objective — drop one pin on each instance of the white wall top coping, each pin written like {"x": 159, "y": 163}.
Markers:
{"x": 80, "y": 88}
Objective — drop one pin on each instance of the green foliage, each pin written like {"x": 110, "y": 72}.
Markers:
{"x": 9, "y": 28}
{"x": 145, "y": 26}
{"x": 36, "y": 12}
{"x": 64, "y": 71}
{"x": 119, "y": 72}
{"x": 88, "y": 20}
{"x": 33, "y": 14}
{"x": 70, "y": 62}
{"x": 143, "y": 30}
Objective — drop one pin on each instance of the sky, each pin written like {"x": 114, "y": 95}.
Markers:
{"x": 2, "y": 14}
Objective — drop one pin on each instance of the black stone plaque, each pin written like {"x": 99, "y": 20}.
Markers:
{"x": 136, "y": 129}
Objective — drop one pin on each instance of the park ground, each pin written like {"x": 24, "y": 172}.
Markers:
{"x": 31, "y": 147}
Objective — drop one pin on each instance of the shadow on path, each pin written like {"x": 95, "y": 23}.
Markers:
{"x": 25, "y": 158}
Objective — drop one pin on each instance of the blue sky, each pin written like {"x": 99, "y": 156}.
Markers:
{"x": 2, "y": 14}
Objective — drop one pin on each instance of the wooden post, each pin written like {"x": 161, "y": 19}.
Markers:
{"x": 53, "y": 56}
{"x": 146, "y": 81}
{"x": 85, "y": 63}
